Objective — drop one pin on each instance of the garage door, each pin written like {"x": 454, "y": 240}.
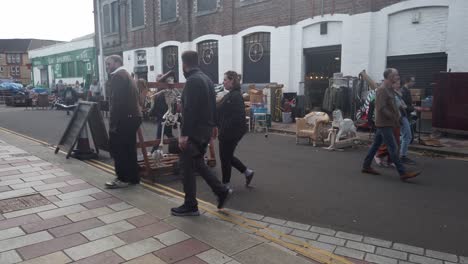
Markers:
{"x": 422, "y": 66}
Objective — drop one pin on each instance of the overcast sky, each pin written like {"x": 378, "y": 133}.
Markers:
{"x": 46, "y": 19}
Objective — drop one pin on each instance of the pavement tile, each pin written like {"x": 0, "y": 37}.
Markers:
{"x": 463, "y": 260}
{"x": 304, "y": 234}
{"x": 54, "y": 170}
{"x": 50, "y": 192}
{"x": 282, "y": 229}
{"x": 11, "y": 182}
{"x": 392, "y": 253}
{"x": 50, "y": 246}
{"x": 377, "y": 242}
{"x": 11, "y": 232}
{"x": 296, "y": 225}
{"x": 101, "y": 195}
{"x": 10, "y": 168}
{"x": 30, "y": 211}
{"x": 16, "y": 193}
{"x": 62, "y": 211}
{"x": 275, "y": 221}
{"x": 38, "y": 178}
{"x": 349, "y": 236}
{"x": 8, "y": 173}
{"x": 324, "y": 231}
{"x": 89, "y": 213}
{"x": 94, "y": 247}
{"x": 76, "y": 181}
{"x": 379, "y": 259}
{"x": 45, "y": 224}
{"x": 40, "y": 163}
{"x": 331, "y": 240}
{"x": 213, "y": 256}
{"x": 26, "y": 170}
{"x": 144, "y": 232}
{"x": 192, "y": 260}
{"x": 143, "y": 220}
{"x": 360, "y": 246}
{"x": 1, "y": 217}
{"x": 25, "y": 240}
{"x": 424, "y": 260}
{"x": 78, "y": 193}
{"x": 120, "y": 206}
{"x": 253, "y": 216}
{"x": 62, "y": 174}
{"x": 10, "y": 257}
{"x": 108, "y": 257}
{"x": 122, "y": 215}
{"x": 4, "y": 188}
{"x": 22, "y": 220}
{"x": 324, "y": 246}
{"x": 74, "y": 188}
{"x": 27, "y": 184}
{"x": 146, "y": 259}
{"x": 77, "y": 200}
{"x": 282, "y": 248}
{"x": 441, "y": 255}
{"x": 75, "y": 227}
{"x": 172, "y": 237}
{"x": 19, "y": 175}
{"x": 348, "y": 252}
{"x": 101, "y": 203}
{"x": 181, "y": 250}
{"x": 53, "y": 199}
{"x": 50, "y": 186}
{"x": 59, "y": 179}
{"x": 408, "y": 248}
{"x": 55, "y": 258}
{"x": 139, "y": 248}
{"x": 107, "y": 230}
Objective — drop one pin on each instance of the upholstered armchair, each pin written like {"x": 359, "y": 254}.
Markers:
{"x": 314, "y": 126}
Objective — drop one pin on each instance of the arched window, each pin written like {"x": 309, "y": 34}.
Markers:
{"x": 208, "y": 58}
{"x": 256, "y": 59}
{"x": 170, "y": 60}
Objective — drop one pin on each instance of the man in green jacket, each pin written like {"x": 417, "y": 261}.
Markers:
{"x": 387, "y": 116}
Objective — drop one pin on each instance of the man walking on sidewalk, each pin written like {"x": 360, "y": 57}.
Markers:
{"x": 198, "y": 120}
{"x": 387, "y": 116}
{"x": 125, "y": 119}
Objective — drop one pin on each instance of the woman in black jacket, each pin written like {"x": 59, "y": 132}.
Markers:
{"x": 232, "y": 127}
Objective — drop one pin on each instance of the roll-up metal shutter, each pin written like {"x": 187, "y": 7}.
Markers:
{"x": 422, "y": 66}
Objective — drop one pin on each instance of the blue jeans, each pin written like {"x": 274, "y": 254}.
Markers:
{"x": 405, "y": 136}
{"x": 384, "y": 135}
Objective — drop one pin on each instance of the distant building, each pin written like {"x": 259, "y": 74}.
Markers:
{"x": 69, "y": 61}
{"x": 14, "y": 60}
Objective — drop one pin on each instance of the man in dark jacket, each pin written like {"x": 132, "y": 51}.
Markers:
{"x": 125, "y": 119}
{"x": 198, "y": 120}
{"x": 406, "y": 133}
{"x": 387, "y": 116}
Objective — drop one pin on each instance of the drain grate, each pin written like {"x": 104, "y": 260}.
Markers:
{"x": 23, "y": 202}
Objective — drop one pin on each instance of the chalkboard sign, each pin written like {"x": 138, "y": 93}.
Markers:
{"x": 85, "y": 112}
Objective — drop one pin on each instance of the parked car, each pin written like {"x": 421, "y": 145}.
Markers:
{"x": 14, "y": 94}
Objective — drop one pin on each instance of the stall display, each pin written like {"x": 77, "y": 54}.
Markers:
{"x": 314, "y": 126}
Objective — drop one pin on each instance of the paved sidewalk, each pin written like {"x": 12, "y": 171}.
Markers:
{"x": 54, "y": 213}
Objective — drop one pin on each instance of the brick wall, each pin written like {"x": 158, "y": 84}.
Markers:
{"x": 231, "y": 18}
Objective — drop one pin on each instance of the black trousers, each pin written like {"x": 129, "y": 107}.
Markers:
{"x": 192, "y": 160}
{"x": 123, "y": 150}
{"x": 228, "y": 160}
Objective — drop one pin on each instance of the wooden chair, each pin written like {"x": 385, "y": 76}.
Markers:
{"x": 314, "y": 126}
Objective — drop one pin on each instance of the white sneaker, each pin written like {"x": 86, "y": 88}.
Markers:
{"x": 115, "y": 184}
{"x": 379, "y": 161}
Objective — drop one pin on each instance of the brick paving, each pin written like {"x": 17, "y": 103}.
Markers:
{"x": 84, "y": 224}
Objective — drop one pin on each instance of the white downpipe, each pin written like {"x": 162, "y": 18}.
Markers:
{"x": 101, "y": 66}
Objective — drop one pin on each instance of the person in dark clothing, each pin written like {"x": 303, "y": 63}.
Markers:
{"x": 198, "y": 121}
{"x": 406, "y": 133}
{"x": 232, "y": 127}
{"x": 125, "y": 119}
{"x": 70, "y": 97}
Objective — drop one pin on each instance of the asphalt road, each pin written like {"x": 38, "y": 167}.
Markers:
{"x": 313, "y": 186}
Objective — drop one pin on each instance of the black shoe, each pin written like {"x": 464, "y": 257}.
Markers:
{"x": 224, "y": 197}
{"x": 407, "y": 161}
{"x": 248, "y": 178}
{"x": 185, "y": 210}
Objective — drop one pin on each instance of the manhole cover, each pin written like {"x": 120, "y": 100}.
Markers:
{"x": 21, "y": 203}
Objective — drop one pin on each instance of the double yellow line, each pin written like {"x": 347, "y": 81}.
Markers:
{"x": 272, "y": 235}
